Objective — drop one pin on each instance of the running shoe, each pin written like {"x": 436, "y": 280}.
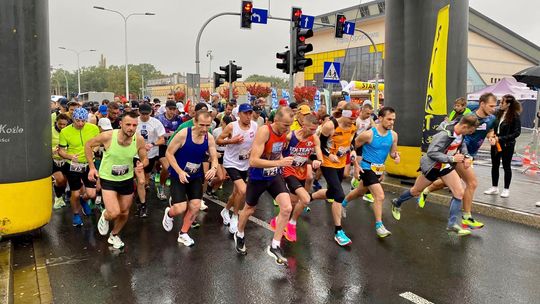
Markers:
{"x": 316, "y": 186}
{"x": 168, "y": 182}
{"x": 277, "y": 255}
{"x": 240, "y": 244}
{"x": 183, "y": 238}
{"x": 342, "y": 239}
{"x": 156, "y": 178}
{"x": 307, "y": 209}
{"x": 368, "y": 197}
{"x": 226, "y": 217}
{"x": 58, "y": 203}
{"x": 330, "y": 200}
{"x": 115, "y": 241}
{"x": 167, "y": 222}
{"x": 396, "y": 211}
{"x": 160, "y": 192}
{"x": 492, "y": 191}
{"x": 471, "y": 223}
{"x": 77, "y": 220}
{"x": 103, "y": 224}
{"x": 354, "y": 183}
{"x": 382, "y": 232}
{"x": 99, "y": 200}
{"x": 233, "y": 228}
{"x": 422, "y": 199}
{"x": 458, "y": 230}
{"x": 143, "y": 212}
{"x": 195, "y": 225}
{"x": 203, "y": 206}
{"x": 290, "y": 232}
{"x": 273, "y": 224}
{"x": 86, "y": 210}
{"x": 505, "y": 193}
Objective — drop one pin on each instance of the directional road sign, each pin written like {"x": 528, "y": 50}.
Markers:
{"x": 348, "y": 28}
{"x": 331, "y": 72}
{"x": 259, "y": 16}
{"x": 306, "y": 22}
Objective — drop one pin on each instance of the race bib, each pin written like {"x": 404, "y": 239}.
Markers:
{"x": 119, "y": 170}
{"x": 77, "y": 168}
{"x": 192, "y": 168}
{"x": 267, "y": 172}
{"x": 378, "y": 168}
{"x": 299, "y": 161}
{"x": 342, "y": 151}
{"x": 59, "y": 162}
{"x": 243, "y": 155}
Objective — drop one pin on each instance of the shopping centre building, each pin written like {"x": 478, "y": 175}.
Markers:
{"x": 494, "y": 52}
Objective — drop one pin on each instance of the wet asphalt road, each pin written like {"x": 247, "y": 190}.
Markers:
{"x": 498, "y": 264}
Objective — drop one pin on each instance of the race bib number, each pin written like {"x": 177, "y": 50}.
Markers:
{"x": 77, "y": 168}
{"x": 342, "y": 151}
{"x": 267, "y": 172}
{"x": 119, "y": 170}
{"x": 192, "y": 168}
{"x": 277, "y": 148}
{"x": 244, "y": 154}
{"x": 299, "y": 161}
{"x": 378, "y": 168}
{"x": 59, "y": 163}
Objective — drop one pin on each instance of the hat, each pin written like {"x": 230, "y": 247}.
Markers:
{"x": 105, "y": 124}
{"x": 233, "y": 101}
{"x": 63, "y": 102}
{"x": 80, "y": 114}
{"x": 304, "y": 110}
{"x": 257, "y": 109}
{"x": 201, "y": 105}
{"x": 170, "y": 104}
{"x": 134, "y": 105}
{"x": 293, "y": 105}
{"x": 245, "y": 107}
{"x": 145, "y": 109}
{"x": 283, "y": 102}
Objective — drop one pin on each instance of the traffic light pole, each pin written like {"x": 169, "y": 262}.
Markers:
{"x": 230, "y": 81}
{"x": 291, "y": 61}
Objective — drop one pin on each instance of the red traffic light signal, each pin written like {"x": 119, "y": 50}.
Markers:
{"x": 245, "y": 15}
{"x": 296, "y": 15}
{"x": 340, "y": 25}
{"x": 248, "y": 6}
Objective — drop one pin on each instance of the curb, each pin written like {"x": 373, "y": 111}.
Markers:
{"x": 6, "y": 272}
{"x": 505, "y": 214}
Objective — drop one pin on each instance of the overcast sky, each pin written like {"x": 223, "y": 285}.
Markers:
{"x": 167, "y": 40}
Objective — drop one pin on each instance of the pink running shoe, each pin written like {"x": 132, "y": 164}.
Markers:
{"x": 290, "y": 232}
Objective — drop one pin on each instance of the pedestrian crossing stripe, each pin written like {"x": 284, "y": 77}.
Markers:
{"x": 331, "y": 73}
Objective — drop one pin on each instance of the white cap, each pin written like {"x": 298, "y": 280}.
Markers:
{"x": 105, "y": 124}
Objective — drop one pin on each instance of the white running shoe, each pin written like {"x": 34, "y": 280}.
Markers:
{"x": 184, "y": 238}
{"x": 58, "y": 203}
{"x": 115, "y": 241}
{"x": 103, "y": 224}
{"x": 492, "y": 191}
{"x": 505, "y": 193}
{"x": 168, "y": 222}
{"x": 203, "y": 206}
{"x": 382, "y": 232}
{"x": 99, "y": 200}
{"x": 226, "y": 217}
{"x": 233, "y": 228}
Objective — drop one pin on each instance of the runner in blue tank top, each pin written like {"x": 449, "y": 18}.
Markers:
{"x": 185, "y": 155}
{"x": 377, "y": 144}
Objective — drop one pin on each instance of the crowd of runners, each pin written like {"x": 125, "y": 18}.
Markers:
{"x": 107, "y": 155}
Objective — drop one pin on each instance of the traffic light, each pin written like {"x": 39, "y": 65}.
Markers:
{"x": 284, "y": 65}
{"x": 296, "y": 15}
{"x": 245, "y": 15}
{"x": 220, "y": 79}
{"x": 340, "y": 25}
{"x": 300, "y": 61}
{"x": 234, "y": 72}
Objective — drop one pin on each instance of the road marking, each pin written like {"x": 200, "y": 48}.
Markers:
{"x": 251, "y": 218}
{"x": 414, "y": 298}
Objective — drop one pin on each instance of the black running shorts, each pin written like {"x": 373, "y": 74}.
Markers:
{"x": 122, "y": 188}
{"x": 181, "y": 193}
{"x": 433, "y": 174}
{"x": 236, "y": 174}
{"x": 294, "y": 183}
{"x": 370, "y": 178}
{"x": 77, "y": 179}
{"x": 255, "y": 188}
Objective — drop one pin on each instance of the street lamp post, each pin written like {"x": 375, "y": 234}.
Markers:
{"x": 78, "y": 53}
{"x": 125, "y": 38}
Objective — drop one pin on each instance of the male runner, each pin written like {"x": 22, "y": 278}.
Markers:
{"x": 71, "y": 147}
{"x": 336, "y": 138}
{"x": 59, "y": 176}
{"x": 364, "y": 122}
{"x": 238, "y": 137}
{"x": 265, "y": 162}
{"x": 376, "y": 143}
{"x": 445, "y": 151}
{"x": 116, "y": 173}
{"x": 171, "y": 121}
{"x": 185, "y": 154}
{"x": 474, "y": 141}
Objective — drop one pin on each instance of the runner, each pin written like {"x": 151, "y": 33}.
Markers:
{"x": 58, "y": 173}
{"x": 265, "y": 162}
{"x": 363, "y": 123}
{"x": 445, "y": 151}
{"x": 377, "y": 143}
{"x": 153, "y": 133}
{"x": 302, "y": 145}
{"x": 116, "y": 173}
{"x": 71, "y": 147}
{"x": 337, "y": 136}
{"x": 221, "y": 173}
{"x": 238, "y": 137}
{"x": 486, "y": 119}
{"x": 185, "y": 154}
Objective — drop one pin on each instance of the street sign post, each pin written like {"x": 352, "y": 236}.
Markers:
{"x": 259, "y": 16}
{"x": 348, "y": 28}
{"x": 306, "y": 22}
{"x": 331, "y": 72}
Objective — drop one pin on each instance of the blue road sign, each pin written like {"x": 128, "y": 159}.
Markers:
{"x": 331, "y": 72}
{"x": 306, "y": 22}
{"x": 259, "y": 16}
{"x": 348, "y": 28}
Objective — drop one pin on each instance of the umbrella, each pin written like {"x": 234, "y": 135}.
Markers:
{"x": 530, "y": 76}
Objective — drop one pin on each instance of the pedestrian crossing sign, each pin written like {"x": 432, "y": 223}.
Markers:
{"x": 331, "y": 72}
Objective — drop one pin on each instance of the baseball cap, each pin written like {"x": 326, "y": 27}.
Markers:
{"x": 105, "y": 124}
{"x": 304, "y": 110}
{"x": 293, "y": 105}
{"x": 134, "y": 105}
{"x": 170, "y": 104}
{"x": 201, "y": 105}
{"x": 245, "y": 107}
{"x": 283, "y": 102}
{"x": 103, "y": 109}
{"x": 145, "y": 109}
{"x": 257, "y": 109}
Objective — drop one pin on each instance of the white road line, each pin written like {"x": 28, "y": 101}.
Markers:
{"x": 251, "y": 218}
{"x": 414, "y": 298}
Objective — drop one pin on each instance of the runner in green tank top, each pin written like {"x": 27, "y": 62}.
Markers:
{"x": 116, "y": 173}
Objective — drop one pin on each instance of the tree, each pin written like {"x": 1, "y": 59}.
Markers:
{"x": 304, "y": 93}
{"x": 225, "y": 93}
{"x": 276, "y": 82}
{"x": 258, "y": 90}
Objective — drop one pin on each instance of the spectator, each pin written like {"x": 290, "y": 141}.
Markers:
{"x": 257, "y": 116}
